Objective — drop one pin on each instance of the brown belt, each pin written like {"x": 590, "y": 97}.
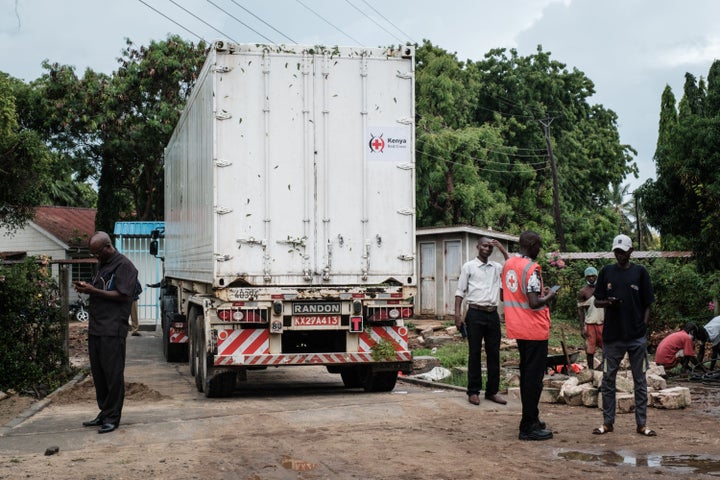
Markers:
{"x": 484, "y": 308}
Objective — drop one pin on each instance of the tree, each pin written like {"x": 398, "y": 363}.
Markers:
{"x": 507, "y": 96}
{"x": 113, "y": 129}
{"x": 682, "y": 201}
{"x": 140, "y": 108}
{"x": 25, "y": 165}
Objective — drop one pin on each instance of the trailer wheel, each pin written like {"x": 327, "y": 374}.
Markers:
{"x": 221, "y": 385}
{"x": 352, "y": 377}
{"x": 380, "y": 381}
{"x": 214, "y": 385}
{"x": 199, "y": 356}
{"x": 192, "y": 335}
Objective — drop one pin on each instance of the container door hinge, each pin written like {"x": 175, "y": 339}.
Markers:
{"x": 223, "y": 115}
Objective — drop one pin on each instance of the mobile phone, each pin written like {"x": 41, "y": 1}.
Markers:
{"x": 463, "y": 330}
{"x": 555, "y": 288}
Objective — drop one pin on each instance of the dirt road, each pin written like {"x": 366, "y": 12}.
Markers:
{"x": 302, "y": 424}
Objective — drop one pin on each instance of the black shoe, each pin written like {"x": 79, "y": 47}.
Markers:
{"x": 96, "y": 422}
{"x": 538, "y": 434}
{"x": 540, "y": 425}
{"x": 108, "y": 427}
{"x": 135, "y": 334}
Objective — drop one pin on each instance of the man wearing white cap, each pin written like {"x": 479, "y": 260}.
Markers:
{"x": 625, "y": 291}
{"x": 591, "y": 317}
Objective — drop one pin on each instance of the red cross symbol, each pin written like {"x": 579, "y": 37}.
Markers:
{"x": 377, "y": 144}
{"x": 511, "y": 283}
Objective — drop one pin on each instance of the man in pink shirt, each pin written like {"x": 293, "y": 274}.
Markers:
{"x": 677, "y": 348}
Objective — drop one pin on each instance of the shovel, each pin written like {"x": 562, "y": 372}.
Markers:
{"x": 563, "y": 344}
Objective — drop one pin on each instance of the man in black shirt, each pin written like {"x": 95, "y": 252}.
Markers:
{"x": 111, "y": 295}
{"x": 625, "y": 291}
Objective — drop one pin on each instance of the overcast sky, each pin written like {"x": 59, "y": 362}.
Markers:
{"x": 630, "y": 49}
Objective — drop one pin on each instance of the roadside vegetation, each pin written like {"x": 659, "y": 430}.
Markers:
{"x": 32, "y": 331}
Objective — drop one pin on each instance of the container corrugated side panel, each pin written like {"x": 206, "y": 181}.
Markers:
{"x": 189, "y": 216}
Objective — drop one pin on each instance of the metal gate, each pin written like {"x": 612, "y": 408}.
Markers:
{"x": 132, "y": 239}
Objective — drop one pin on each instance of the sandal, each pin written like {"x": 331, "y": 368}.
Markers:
{"x": 603, "y": 430}
{"x": 643, "y": 430}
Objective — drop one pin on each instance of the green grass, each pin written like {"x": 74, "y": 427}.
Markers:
{"x": 456, "y": 354}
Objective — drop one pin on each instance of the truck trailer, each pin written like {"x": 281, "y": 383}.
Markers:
{"x": 289, "y": 235}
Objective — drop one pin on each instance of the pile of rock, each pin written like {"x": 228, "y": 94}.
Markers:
{"x": 583, "y": 389}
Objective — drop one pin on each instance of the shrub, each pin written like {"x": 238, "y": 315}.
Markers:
{"x": 31, "y": 327}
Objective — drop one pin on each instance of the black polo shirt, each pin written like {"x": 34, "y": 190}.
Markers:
{"x": 109, "y": 318}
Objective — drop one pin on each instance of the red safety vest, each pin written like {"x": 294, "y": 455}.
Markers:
{"x": 521, "y": 321}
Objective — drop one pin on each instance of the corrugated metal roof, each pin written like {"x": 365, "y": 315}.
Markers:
{"x": 136, "y": 229}
{"x": 71, "y": 225}
{"x": 423, "y": 231}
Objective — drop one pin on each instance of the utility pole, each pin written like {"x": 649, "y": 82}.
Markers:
{"x": 637, "y": 220}
{"x": 559, "y": 233}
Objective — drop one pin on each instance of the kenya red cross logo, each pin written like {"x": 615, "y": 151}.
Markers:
{"x": 377, "y": 144}
{"x": 511, "y": 280}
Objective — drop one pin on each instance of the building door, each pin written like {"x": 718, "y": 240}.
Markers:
{"x": 428, "y": 298}
{"x": 451, "y": 265}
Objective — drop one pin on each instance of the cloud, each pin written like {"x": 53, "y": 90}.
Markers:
{"x": 701, "y": 51}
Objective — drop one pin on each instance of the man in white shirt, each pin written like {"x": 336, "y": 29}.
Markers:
{"x": 479, "y": 286}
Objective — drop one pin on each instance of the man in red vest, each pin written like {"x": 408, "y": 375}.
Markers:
{"x": 527, "y": 319}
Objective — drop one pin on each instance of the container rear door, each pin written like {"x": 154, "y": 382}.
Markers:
{"x": 314, "y": 168}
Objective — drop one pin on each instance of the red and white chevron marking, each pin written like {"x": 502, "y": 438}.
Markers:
{"x": 243, "y": 342}
{"x": 306, "y": 359}
{"x": 178, "y": 336}
{"x": 251, "y": 347}
{"x": 397, "y": 335}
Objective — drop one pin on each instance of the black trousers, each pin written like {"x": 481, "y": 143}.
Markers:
{"x": 533, "y": 361}
{"x": 107, "y": 364}
{"x": 483, "y": 327}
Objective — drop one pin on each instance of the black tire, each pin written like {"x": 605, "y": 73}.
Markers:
{"x": 380, "y": 381}
{"x": 214, "y": 385}
{"x": 221, "y": 385}
{"x": 192, "y": 333}
{"x": 352, "y": 377}
{"x": 166, "y": 338}
{"x": 201, "y": 367}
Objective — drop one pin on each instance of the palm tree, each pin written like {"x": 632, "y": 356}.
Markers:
{"x": 633, "y": 221}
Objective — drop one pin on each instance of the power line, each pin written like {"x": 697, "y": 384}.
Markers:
{"x": 173, "y": 21}
{"x": 238, "y": 20}
{"x": 374, "y": 21}
{"x": 437, "y": 157}
{"x": 388, "y": 21}
{"x": 203, "y": 21}
{"x": 329, "y": 23}
{"x": 263, "y": 21}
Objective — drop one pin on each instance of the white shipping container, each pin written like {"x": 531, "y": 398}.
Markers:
{"x": 294, "y": 167}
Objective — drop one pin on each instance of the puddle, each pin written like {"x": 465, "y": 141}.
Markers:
{"x": 297, "y": 465}
{"x": 701, "y": 464}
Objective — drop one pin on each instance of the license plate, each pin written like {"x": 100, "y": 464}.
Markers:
{"x": 316, "y": 320}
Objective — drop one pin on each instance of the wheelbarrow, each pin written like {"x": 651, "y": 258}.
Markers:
{"x": 559, "y": 359}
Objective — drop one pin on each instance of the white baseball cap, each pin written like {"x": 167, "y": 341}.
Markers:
{"x": 622, "y": 242}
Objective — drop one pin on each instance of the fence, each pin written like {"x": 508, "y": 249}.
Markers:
{"x": 132, "y": 239}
